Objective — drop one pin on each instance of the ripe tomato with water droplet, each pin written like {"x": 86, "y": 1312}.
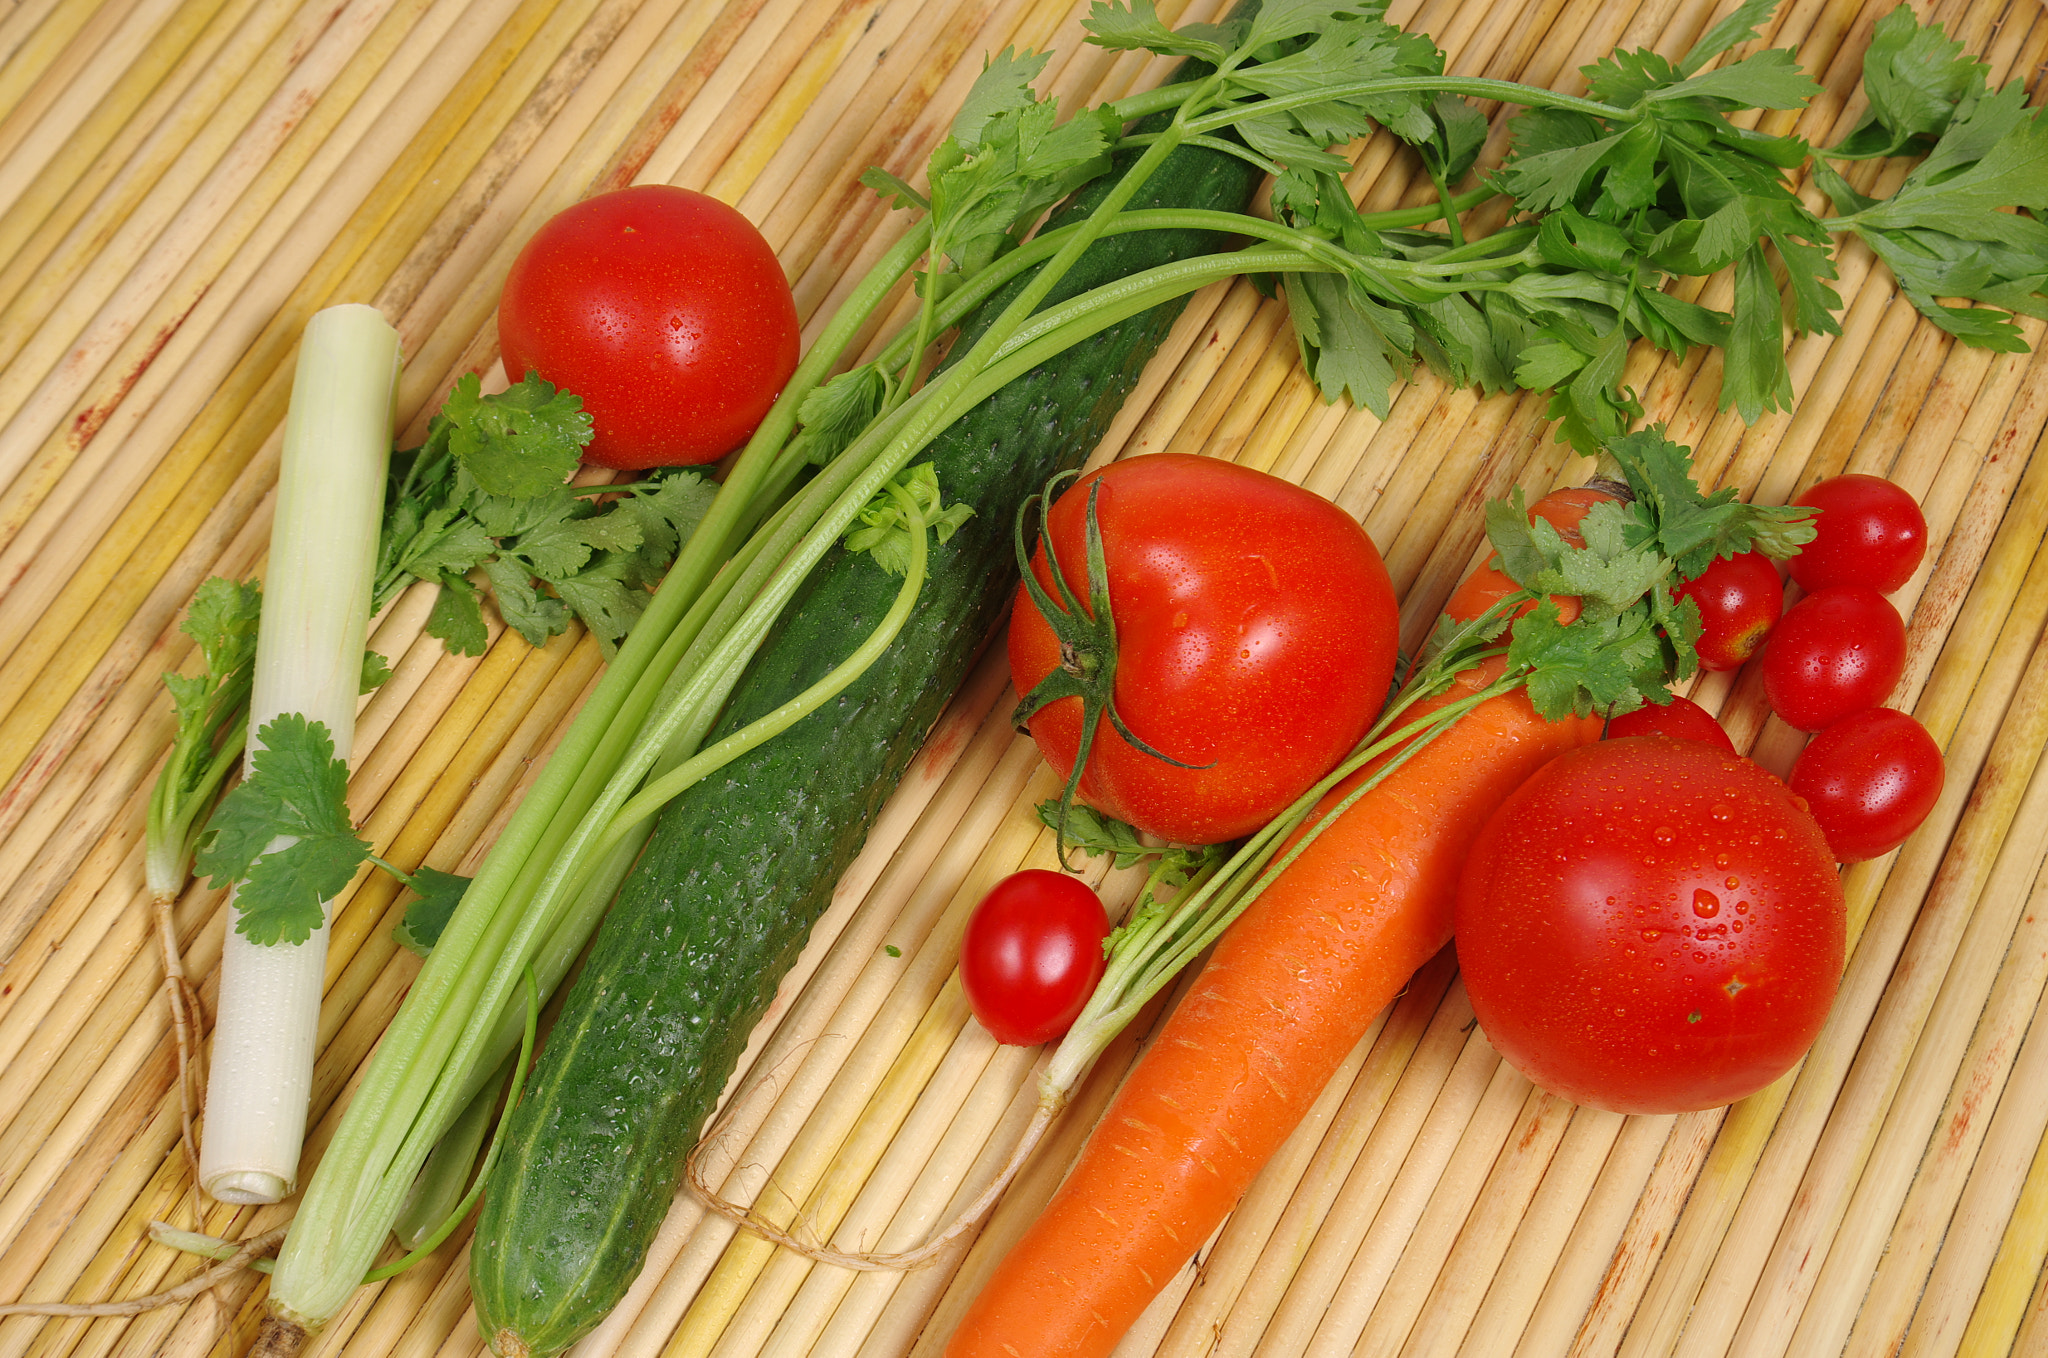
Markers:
{"x": 1695, "y": 883}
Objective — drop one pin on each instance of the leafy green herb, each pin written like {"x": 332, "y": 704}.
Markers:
{"x": 212, "y": 709}
{"x": 439, "y": 893}
{"x": 487, "y": 492}
{"x": 885, "y": 532}
{"x": 296, "y": 792}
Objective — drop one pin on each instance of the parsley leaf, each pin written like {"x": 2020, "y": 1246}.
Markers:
{"x": 1915, "y": 78}
{"x": 521, "y": 441}
{"x": 884, "y": 531}
{"x": 438, "y": 894}
{"x": 285, "y": 834}
{"x": 552, "y": 553}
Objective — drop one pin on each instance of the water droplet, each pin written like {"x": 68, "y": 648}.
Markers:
{"x": 1721, "y": 811}
{"x": 1705, "y": 903}
{"x": 1732, "y": 882}
{"x": 1652, "y": 935}
{"x": 1662, "y": 834}
{"x": 1742, "y": 907}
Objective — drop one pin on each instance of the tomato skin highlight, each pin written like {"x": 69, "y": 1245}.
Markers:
{"x": 1256, "y": 636}
{"x": 1869, "y": 779}
{"x": 1650, "y": 926}
{"x": 1032, "y": 955}
{"x": 1836, "y": 651}
{"x": 1869, "y": 531}
{"x": 665, "y": 311}
{"x": 1681, "y": 719}
{"x": 1740, "y": 599}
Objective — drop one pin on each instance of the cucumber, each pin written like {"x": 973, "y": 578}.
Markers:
{"x": 740, "y": 866}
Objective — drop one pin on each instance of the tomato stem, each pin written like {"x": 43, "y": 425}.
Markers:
{"x": 1087, "y": 645}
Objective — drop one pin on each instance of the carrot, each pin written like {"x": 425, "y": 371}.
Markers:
{"x": 1287, "y": 993}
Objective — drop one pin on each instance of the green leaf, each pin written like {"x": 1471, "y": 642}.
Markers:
{"x": 1136, "y": 27}
{"x": 885, "y": 531}
{"x": 457, "y": 618}
{"x": 535, "y": 616}
{"x": 296, "y": 791}
{"x": 1349, "y": 343}
{"x": 376, "y": 672}
{"x": 520, "y": 441}
{"x": 1095, "y": 833}
{"x": 1693, "y": 528}
{"x": 1772, "y": 78}
{"x": 438, "y": 894}
{"x": 1754, "y": 376}
{"x": 222, "y": 619}
{"x": 1915, "y": 78}
{"x": 893, "y": 190}
{"x": 1743, "y": 25}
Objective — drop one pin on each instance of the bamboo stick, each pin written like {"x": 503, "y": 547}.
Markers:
{"x": 1962, "y": 1199}
{"x": 73, "y": 41}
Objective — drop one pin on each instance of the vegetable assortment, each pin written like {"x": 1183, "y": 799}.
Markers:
{"x": 1584, "y": 613}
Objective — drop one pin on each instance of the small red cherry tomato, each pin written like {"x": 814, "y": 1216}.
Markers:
{"x": 1869, "y": 779}
{"x": 1834, "y": 652}
{"x": 1740, "y": 599}
{"x": 665, "y": 311}
{"x": 1681, "y": 719}
{"x": 1032, "y": 955}
{"x": 1868, "y": 532}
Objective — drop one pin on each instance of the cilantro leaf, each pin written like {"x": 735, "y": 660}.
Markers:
{"x": 284, "y": 832}
{"x": 1693, "y": 528}
{"x": 438, "y": 894}
{"x": 520, "y": 441}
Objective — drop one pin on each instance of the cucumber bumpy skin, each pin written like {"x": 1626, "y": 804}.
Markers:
{"x": 741, "y": 865}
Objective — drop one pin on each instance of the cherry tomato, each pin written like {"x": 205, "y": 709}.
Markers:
{"x": 1869, "y": 779}
{"x": 1868, "y": 532}
{"x": 1255, "y": 636}
{"x": 1740, "y": 599}
{"x": 1681, "y": 719}
{"x": 1032, "y": 955}
{"x": 1651, "y": 926}
{"x": 665, "y": 311}
{"x": 1835, "y": 652}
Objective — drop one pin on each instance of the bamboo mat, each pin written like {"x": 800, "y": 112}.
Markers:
{"x": 182, "y": 182}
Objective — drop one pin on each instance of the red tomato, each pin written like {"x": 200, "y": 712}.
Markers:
{"x": 665, "y": 311}
{"x": 1869, "y": 779}
{"x": 1681, "y": 719}
{"x": 1868, "y": 532}
{"x": 1255, "y": 637}
{"x": 1835, "y": 652}
{"x": 1740, "y": 599}
{"x": 1651, "y": 926}
{"x": 1032, "y": 955}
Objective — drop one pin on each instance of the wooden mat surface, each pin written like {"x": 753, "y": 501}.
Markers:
{"x": 183, "y": 182}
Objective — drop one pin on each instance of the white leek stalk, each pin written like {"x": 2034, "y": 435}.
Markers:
{"x": 309, "y": 660}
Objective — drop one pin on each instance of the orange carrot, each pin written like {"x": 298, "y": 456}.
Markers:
{"x": 1287, "y": 993}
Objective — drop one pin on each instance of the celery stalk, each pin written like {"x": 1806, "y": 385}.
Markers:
{"x": 309, "y": 660}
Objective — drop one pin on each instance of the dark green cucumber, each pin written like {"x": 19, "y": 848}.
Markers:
{"x": 740, "y": 866}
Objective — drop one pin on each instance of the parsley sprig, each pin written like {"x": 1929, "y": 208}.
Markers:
{"x": 488, "y": 491}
